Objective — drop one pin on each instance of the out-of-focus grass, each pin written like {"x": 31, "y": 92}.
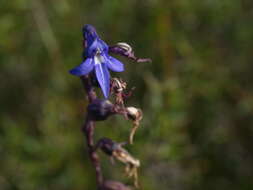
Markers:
{"x": 196, "y": 95}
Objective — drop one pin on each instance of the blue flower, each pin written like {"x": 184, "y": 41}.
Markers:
{"x": 97, "y": 59}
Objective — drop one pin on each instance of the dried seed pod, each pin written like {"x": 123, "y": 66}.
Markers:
{"x": 124, "y": 156}
{"x": 132, "y": 164}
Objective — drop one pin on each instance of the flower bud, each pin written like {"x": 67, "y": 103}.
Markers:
{"x": 100, "y": 110}
{"x": 106, "y": 145}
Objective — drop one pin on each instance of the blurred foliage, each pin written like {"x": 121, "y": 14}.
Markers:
{"x": 196, "y": 95}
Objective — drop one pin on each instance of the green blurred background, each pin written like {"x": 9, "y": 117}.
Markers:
{"x": 196, "y": 95}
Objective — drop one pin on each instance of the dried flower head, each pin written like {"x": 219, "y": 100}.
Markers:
{"x": 117, "y": 88}
{"x": 117, "y": 85}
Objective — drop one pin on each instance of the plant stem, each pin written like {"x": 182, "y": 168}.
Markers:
{"x": 88, "y": 130}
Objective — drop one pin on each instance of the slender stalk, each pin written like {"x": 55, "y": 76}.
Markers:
{"x": 88, "y": 130}
{"x": 88, "y": 88}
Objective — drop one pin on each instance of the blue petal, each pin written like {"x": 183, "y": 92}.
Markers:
{"x": 84, "y": 68}
{"x": 103, "y": 77}
{"x": 91, "y": 50}
{"x": 103, "y": 46}
{"x": 114, "y": 64}
{"x": 96, "y": 45}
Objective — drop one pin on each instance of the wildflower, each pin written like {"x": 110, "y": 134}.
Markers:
{"x": 97, "y": 59}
